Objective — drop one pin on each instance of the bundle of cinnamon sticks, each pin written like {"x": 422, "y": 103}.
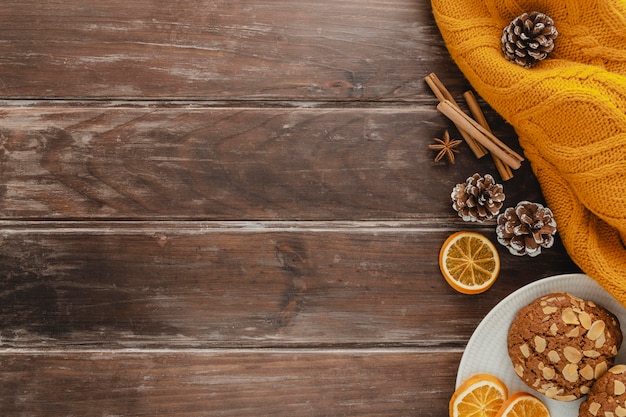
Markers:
{"x": 475, "y": 131}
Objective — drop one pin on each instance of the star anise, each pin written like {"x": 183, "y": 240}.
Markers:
{"x": 446, "y": 147}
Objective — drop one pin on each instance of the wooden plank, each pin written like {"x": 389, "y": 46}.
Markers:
{"x": 234, "y": 164}
{"x": 249, "y": 383}
{"x": 226, "y": 50}
{"x": 229, "y": 209}
{"x": 202, "y": 284}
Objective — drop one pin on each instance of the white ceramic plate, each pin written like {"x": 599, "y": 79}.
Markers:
{"x": 487, "y": 352}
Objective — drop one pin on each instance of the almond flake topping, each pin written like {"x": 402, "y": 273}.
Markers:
{"x": 540, "y": 344}
{"x": 525, "y": 350}
{"x": 591, "y": 353}
{"x": 585, "y": 319}
{"x": 551, "y": 392}
{"x": 548, "y": 373}
{"x": 601, "y": 368}
{"x": 547, "y": 310}
{"x": 587, "y": 372}
{"x": 569, "y": 317}
{"x": 554, "y": 356}
{"x": 596, "y": 330}
{"x": 618, "y": 369}
{"x": 572, "y": 354}
{"x": 554, "y": 329}
{"x": 570, "y": 372}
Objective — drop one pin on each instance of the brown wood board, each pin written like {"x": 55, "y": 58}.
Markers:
{"x": 233, "y": 164}
{"x": 218, "y": 50}
{"x": 261, "y": 285}
{"x": 215, "y": 383}
{"x": 229, "y": 208}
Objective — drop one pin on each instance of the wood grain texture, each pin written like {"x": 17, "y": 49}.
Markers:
{"x": 203, "y": 285}
{"x": 219, "y": 50}
{"x": 238, "y": 384}
{"x": 234, "y": 164}
{"x": 229, "y": 208}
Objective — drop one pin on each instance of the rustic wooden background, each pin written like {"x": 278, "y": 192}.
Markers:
{"x": 229, "y": 208}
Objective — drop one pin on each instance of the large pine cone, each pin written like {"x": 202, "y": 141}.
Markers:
{"x": 477, "y": 199}
{"x": 529, "y": 38}
{"x": 527, "y": 228}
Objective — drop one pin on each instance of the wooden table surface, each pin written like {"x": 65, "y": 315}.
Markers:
{"x": 229, "y": 208}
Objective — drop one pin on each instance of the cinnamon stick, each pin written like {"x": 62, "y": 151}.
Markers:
{"x": 503, "y": 169}
{"x": 442, "y": 94}
{"x": 483, "y": 136}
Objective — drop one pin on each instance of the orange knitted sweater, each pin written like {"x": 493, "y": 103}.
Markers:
{"x": 569, "y": 112}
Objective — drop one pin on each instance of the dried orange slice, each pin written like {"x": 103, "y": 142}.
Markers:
{"x": 523, "y": 404}
{"x": 481, "y": 395}
{"x": 469, "y": 262}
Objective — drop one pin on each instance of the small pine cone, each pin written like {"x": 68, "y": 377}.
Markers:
{"x": 477, "y": 199}
{"x": 529, "y": 38}
{"x": 527, "y": 228}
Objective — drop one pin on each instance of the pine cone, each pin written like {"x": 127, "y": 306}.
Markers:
{"x": 529, "y": 38}
{"x": 477, "y": 199}
{"x": 527, "y": 228}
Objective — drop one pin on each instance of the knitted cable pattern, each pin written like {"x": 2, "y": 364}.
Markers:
{"x": 569, "y": 112}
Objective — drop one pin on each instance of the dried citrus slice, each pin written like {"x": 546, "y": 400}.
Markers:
{"x": 523, "y": 404}
{"x": 481, "y": 395}
{"x": 469, "y": 262}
